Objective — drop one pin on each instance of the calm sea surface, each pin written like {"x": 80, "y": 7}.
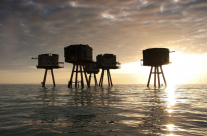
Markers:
{"x": 123, "y": 110}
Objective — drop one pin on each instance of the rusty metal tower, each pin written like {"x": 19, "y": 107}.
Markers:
{"x": 49, "y": 62}
{"x": 156, "y": 57}
{"x": 79, "y": 55}
{"x": 107, "y": 62}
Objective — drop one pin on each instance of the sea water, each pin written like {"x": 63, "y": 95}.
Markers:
{"x": 122, "y": 110}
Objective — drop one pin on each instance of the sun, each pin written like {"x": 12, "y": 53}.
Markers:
{"x": 183, "y": 69}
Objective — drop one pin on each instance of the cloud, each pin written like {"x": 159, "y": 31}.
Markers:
{"x": 125, "y": 28}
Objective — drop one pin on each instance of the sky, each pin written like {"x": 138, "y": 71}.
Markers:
{"x": 121, "y": 27}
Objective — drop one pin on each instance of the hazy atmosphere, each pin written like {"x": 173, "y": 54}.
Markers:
{"x": 122, "y": 27}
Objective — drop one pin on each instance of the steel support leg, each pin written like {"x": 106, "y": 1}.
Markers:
{"x": 82, "y": 83}
{"x": 53, "y": 79}
{"x": 110, "y": 78}
{"x": 155, "y": 76}
{"x": 86, "y": 76}
{"x": 76, "y": 77}
{"x": 95, "y": 79}
{"x": 158, "y": 77}
{"x": 109, "y": 82}
{"x": 149, "y": 77}
{"x": 43, "y": 84}
{"x": 71, "y": 78}
{"x": 89, "y": 79}
{"x": 163, "y": 75}
{"x": 101, "y": 78}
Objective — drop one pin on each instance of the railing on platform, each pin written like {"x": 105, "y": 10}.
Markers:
{"x": 118, "y": 64}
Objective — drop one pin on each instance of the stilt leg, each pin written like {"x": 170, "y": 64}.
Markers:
{"x": 89, "y": 79}
{"x": 43, "y": 84}
{"x": 76, "y": 77}
{"x": 82, "y": 83}
{"x": 110, "y": 78}
{"x": 71, "y": 78}
{"x": 163, "y": 75}
{"x": 53, "y": 77}
{"x": 85, "y": 75}
{"x": 158, "y": 77}
{"x": 95, "y": 79}
{"x": 155, "y": 76}
{"x": 109, "y": 83}
{"x": 100, "y": 81}
{"x": 102, "y": 78}
{"x": 149, "y": 77}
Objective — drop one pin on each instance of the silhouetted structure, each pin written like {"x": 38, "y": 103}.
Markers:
{"x": 92, "y": 68}
{"x": 79, "y": 55}
{"x": 49, "y": 62}
{"x": 156, "y": 57}
{"x": 107, "y": 62}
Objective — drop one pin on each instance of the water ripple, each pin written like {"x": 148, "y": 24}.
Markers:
{"x": 120, "y": 110}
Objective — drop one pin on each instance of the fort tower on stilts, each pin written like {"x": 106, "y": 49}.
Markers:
{"x": 107, "y": 62}
{"x": 49, "y": 62}
{"x": 92, "y": 69}
{"x": 79, "y": 55}
{"x": 156, "y": 57}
